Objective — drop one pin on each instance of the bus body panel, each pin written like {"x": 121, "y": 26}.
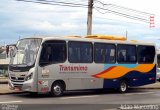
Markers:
{"x": 134, "y": 78}
{"x": 75, "y": 76}
{"x": 76, "y": 80}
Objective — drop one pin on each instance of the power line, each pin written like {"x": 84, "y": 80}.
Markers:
{"x": 69, "y": 5}
{"x": 133, "y": 13}
{"x": 125, "y": 8}
{"x": 114, "y": 9}
{"x": 124, "y": 12}
{"x": 144, "y": 19}
{"x": 124, "y": 15}
{"x": 60, "y": 2}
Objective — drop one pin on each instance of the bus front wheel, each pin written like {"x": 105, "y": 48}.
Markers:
{"x": 57, "y": 89}
{"x": 123, "y": 86}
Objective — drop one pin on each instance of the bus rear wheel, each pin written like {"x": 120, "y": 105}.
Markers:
{"x": 123, "y": 88}
{"x": 57, "y": 89}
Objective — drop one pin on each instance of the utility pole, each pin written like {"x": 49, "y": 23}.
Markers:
{"x": 89, "y": 19}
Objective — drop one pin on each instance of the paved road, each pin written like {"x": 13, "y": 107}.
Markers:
{"x": 82, "y": 100}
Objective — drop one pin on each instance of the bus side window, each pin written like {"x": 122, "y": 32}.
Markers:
{"x": 48, "y": 53}
{"x": 132, "y": 58}
{"x": 87, "y": 53}
{"x": 121, "y": 57}
{"x": 126, "y": 53}
{"x": 80, "y": 52}
{"x": 46, "y": 56}
{"x": 59, "y": 52}
{"x": 53, "y": 52}
{"x": 104, "y": 53}
{"x": 146, "y": 54}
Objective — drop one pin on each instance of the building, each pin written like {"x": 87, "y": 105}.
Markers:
{"x": 5, "y": 58}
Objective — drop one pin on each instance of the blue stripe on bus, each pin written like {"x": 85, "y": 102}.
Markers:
{"x": 125, "y": 65}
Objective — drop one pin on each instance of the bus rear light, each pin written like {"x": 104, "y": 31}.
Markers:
{"x": 114, "y": 80}
{"x": 135, "y": 79}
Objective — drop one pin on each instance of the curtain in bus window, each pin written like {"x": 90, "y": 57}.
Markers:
{"x": 104, "y": 53}
{"x": 80, "y": 52}
{"x": 126, "y": 53}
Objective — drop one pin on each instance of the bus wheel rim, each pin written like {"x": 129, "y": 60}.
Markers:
{"x": 123, "y": 86}
{"x": 57, "y": 90}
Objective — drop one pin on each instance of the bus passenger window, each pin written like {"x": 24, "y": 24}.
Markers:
{"x": 45, "y": 57}
{"x": 126, "y": 53}
{"x": 59, "y": 52}
{"x": 104, "y": 53}
{"x": 121, "y": 56}
{"x": 80, "y": 52}
{"x": 146, "y": 54}
{"x": 53, "y": 52}
{"x": 48, "y": 53}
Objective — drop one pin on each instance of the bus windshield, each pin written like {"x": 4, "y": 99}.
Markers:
{"x": 25, "y": 52}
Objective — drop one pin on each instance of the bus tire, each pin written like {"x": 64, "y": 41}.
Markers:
{"x": 123, "y": 87}
{"x": 57, "y": 89}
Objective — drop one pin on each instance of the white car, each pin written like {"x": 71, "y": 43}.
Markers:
{"x": 158, "y": 74}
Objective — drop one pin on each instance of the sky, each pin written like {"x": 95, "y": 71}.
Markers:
{"x": 20, "y": 19}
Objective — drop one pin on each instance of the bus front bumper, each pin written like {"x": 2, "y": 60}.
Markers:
{"x": 26, "y": 86}
{"x": 15, "y": 86}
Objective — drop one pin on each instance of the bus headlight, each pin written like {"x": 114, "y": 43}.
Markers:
{"x": 29, "y": 77}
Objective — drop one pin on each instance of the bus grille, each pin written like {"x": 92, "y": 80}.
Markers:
{"x": 18, "y": 79}
{"x": 17, "y": 85}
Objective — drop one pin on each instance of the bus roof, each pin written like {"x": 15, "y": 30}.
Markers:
{"x": 92, "y": 39}
{"x": 107, "y": 37}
